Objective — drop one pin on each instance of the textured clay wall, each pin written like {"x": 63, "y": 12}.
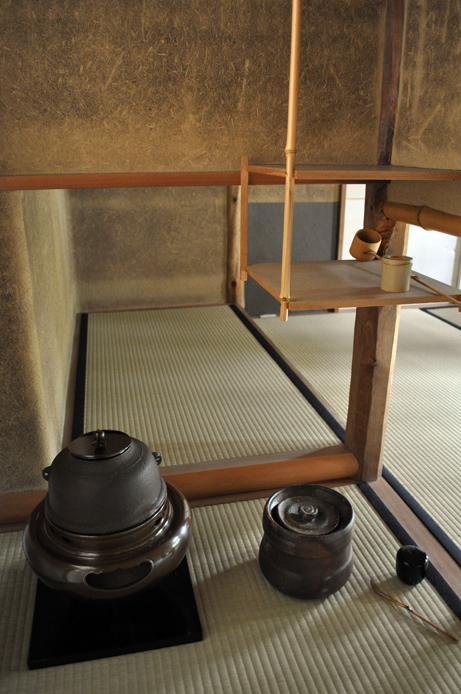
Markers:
{"x": 149, "y": 247}
{"x": 429, "y": 109}
{"x": 155, "y": 85}
{"x": 441, "y": 195}
{"x": 37, "y": 308}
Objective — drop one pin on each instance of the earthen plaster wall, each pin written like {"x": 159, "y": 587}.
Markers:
{"x": 149, "y": 247}
{"x": 179, "y": 85}
{"x": 428, "y": 128}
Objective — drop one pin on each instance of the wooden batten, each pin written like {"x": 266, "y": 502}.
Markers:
{"x": 214, "y": 479}
{"x": 244, "y": 218}
{"x": 375, "y": 345}
{"x": 229, "y": 479}
{"x": 393, "y": 42}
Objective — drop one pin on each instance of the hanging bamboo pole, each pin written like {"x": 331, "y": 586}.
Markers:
{"x": 425, "y": 217}
{"x": 290, "y": 153}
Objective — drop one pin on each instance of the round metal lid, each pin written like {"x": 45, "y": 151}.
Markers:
{"x": 100, "y": 445}
{"x": 308, "y": 515}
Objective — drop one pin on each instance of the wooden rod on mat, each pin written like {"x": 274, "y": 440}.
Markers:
{"x": 290, "y": 153}
{"x": 425, "y": 217}
{"x": 233, "y": 480}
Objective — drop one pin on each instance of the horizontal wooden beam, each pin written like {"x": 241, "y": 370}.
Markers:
{"x": 333, "y": 463}
{"x": 221, "y": 478}
{"x": 120, "y": 180}
{"x": 258, "y": 175}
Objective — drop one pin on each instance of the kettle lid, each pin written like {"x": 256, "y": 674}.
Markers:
{"x": 100, "y": 445}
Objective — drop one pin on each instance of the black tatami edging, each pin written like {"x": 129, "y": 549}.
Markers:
{"x": 326, "y": 415}
{"x": 436, "y": 579}
{"x": 430, "y": 312}
{"x": 78, "y": 419}
{"x": 442, "y": 537}
{"x": 434, "y": 576}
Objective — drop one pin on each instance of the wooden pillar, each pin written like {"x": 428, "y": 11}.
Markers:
{"x": 393, "y": 42}
{"x": 243, "y": 218}
{"x": 234, "y": 289}
{"x": 375, "y": 344}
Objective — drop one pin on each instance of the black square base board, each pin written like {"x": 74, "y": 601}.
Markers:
{"x": 69, "y": 630}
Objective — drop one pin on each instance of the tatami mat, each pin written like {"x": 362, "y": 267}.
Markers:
{"x": 257, "y": 640}
{"x": 195, "y": 385}
{"x": 449, "y": 314}
{"x": 423, "y": 440}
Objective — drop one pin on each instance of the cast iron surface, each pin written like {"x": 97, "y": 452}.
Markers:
{"x": 69, "y": 630}
{"x": 100, "y": 444}
{"x": 305, "y": 565}
{"x": 112, "y": 565}
{"x": 103, "y": 482}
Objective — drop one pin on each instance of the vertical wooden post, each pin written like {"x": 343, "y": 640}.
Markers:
{"x": 375, "y": 344}
{"x": 399, "y": 240}
{"x": 234, "y": 288}
{"x": 290, "y": 152}
{"x": 243, "y": 218}
{"x": 393, "y": 41}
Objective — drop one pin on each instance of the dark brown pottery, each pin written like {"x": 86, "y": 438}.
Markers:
{"x": 306, "y": 550}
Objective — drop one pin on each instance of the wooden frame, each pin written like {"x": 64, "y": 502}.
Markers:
{"x": 376, "y": 326}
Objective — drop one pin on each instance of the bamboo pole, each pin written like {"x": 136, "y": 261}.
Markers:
{"x": 425, "y": 217}
{"x": 290, "y": 152}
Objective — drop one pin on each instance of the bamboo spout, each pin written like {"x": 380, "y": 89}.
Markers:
{"x": 425, "y": 217}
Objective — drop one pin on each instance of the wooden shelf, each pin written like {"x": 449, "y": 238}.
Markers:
{"x": 342, "y": 284}
{"x": 257, "y": 175}
{"x": 350, "y": 174}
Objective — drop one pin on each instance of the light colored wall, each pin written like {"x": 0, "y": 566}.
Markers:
{"x": 149, "y": 247}
{"x": 429, "y": 108}
{"x": 37, "y": 308}
{"x": 184, "y": 85}
{"x": 54, "y": 293}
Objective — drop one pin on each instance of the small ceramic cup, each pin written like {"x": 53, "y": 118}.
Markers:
{"x": 396, "y": 272}
{"x": 365, "y": 244}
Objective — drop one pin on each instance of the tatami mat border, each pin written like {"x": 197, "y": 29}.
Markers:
{"x": 326, "y": 415}
{"x": 434, "y": 313}
{"x": 423, "y": 516}
{"x": 436, "y": 578}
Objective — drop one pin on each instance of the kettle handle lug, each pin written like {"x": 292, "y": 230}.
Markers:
{"x": 158, "y": 457}
{"x": 46, "y": 472}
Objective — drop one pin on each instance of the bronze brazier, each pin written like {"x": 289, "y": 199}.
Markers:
{"x": 306, "y": 550}
{"x": 109, "y": 526}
